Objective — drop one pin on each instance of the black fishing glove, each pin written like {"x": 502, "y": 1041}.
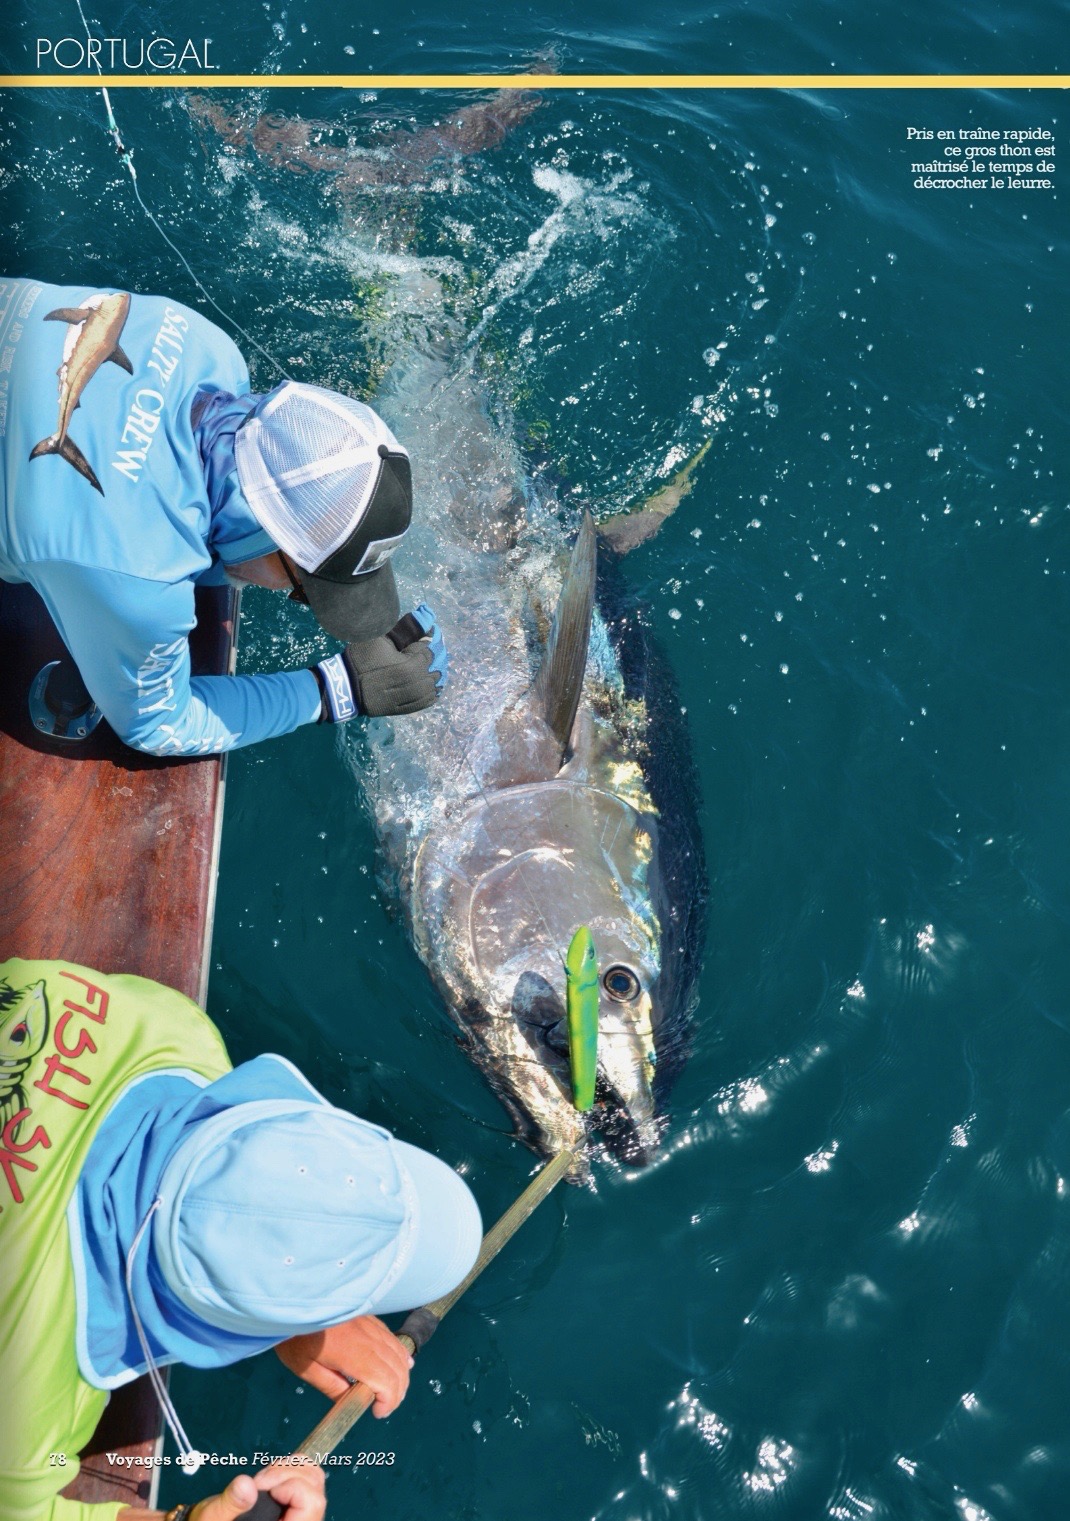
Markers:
{"x": 402, "y": 671}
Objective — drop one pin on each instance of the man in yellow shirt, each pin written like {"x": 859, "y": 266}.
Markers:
{"x": 158, "y": 1206}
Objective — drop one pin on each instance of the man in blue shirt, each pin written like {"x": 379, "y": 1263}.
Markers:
{"x": 150, "y": 468}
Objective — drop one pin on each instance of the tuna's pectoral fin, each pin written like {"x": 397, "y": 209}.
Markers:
{"x": 71, "y": 314}
{"x": 118, "y": 357}
{"x": 628, "y": 529}
{"x": 67, "y": 449}
{"x": 631, "y": 529}
{"x": 560, "y": 680}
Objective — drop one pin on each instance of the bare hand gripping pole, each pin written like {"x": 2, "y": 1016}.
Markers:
{"x": 420, "y": 1325}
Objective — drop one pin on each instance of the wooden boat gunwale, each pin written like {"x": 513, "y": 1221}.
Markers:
{"x": 109, "y": 858}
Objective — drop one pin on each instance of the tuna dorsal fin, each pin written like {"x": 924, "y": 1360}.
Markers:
{"x": 560, "y": 680}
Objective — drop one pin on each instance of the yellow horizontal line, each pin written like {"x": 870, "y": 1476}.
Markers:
{"x": 536, "y": 81}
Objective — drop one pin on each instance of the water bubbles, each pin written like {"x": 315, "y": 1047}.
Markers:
{"x": 675, "y": 614}
{"x": 748, "y": 1096}
{"x": 853, "y": 1507}
{"x": 772, "y": 1467}
{"x": 710, "y": 356}
{"x": 692, "y": 1414}
{"x": 969, "y": 1511}
{"x": 713, "y": 1432}
{"x": 821, "y": 1161}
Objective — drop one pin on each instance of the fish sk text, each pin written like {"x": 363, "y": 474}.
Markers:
{"x": 64, "y": 1080}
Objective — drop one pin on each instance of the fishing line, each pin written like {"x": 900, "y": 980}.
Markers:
{"x": 126, "y": 157}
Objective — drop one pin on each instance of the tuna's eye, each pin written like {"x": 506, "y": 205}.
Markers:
{"x": 19, "y": 1034}
{"x": 621, "y": 983}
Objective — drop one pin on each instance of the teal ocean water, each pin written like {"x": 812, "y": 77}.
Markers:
{"x": 842, "y": 1290}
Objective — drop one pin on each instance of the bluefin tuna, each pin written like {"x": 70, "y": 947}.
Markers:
{"x": 551, "y": 788}
{"x": 541, "y": 794}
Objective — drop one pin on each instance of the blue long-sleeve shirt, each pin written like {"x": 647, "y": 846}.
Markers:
{"x": 115, "y": 527}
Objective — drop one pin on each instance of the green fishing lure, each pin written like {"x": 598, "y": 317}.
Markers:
{"x": 581, "y": 974}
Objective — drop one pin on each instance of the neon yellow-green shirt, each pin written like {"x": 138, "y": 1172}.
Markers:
{"x": 71, "y": 1042}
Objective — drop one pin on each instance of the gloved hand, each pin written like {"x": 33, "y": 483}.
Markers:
{"x": 402, "y": 671}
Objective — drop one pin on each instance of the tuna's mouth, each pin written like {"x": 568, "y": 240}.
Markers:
{"x": 632, "y": 1135}
{"x": 540, "y": 1014}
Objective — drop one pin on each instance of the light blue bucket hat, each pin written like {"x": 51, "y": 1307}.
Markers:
{"x": 281, "y": 1216}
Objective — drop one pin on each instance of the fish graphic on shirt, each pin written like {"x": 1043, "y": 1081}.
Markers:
{"x": 94, "y": 330}
{"x": 23, "y": 1031}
